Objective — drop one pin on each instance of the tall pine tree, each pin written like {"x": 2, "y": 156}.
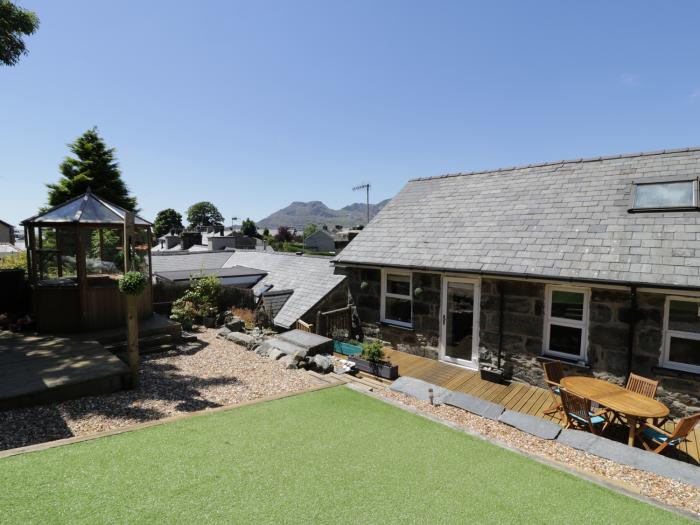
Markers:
{"x": 92, "y": 166}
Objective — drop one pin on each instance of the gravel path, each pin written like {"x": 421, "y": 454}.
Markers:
{"x": 664, "y": 490}
{"x": 206, "y": 374}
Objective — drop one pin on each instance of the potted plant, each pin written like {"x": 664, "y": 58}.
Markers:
{"x": 373, "y": 361}
{"x": 133, "y": 283}
{"x": 184, "y": 312}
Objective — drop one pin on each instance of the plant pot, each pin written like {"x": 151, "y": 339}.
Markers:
{"x": 494, "y": 375}
{"x": 210, "y": 322}
{"x": 385, "y": 371}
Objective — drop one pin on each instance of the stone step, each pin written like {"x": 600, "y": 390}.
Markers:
{"x": 313, "y": 343}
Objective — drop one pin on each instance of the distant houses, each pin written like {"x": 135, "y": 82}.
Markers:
{"x": 194, "y": 241}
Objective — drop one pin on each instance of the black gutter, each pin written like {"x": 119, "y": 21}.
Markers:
{"x": 632, "y": 324}
{"x": 525, "y": 276}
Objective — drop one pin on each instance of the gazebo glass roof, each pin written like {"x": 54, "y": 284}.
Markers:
{"x": 88, "y": 209}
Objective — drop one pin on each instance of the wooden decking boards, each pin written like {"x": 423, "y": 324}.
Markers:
{"x": 38, "y": 369}
{"x": 519, "y": 397}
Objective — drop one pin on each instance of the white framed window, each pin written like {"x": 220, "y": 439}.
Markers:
{"x": 681, "y": 346}
{"x": 661, "y": 195}
{"x": 566, "y": 322}
{"x": 397, "y": 293}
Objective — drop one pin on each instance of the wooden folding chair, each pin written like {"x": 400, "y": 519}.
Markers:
{"x": 579, "y": 415}
{"x": 657, "y": 439}
{"x": 643, "y": 386}
{"x": 553, "y": 374}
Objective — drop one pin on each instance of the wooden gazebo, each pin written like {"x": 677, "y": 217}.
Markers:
{"x": 74, "y": 260}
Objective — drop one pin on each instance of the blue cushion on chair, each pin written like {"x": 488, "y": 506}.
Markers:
{"x": 659, "y": 437}
{"x": 596, "y": 420}
{"x": 556, "y": 390}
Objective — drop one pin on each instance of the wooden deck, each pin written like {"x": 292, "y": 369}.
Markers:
{"x": 518, "y": 397}
{"x": 39, "y": 369}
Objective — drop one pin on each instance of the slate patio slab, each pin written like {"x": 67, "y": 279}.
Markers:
{"x": 475, "y": 405}
{"x": 418, "y": 388}
{"x": 534, "y": 425}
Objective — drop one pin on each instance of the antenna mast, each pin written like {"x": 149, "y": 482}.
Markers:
{"x": 366, "y": 187}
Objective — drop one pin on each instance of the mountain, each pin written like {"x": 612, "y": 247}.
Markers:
{"x": 300, "y": 214}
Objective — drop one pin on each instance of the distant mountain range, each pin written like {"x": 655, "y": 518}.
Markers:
{"x": 300, "y": 214}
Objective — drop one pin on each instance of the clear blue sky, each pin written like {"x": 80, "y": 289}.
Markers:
{"x": 255, "y": 104}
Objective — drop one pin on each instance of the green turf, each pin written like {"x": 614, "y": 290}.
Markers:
{"x": 331, "y": 456}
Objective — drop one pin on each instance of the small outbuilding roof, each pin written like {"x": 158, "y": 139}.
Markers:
{"x": 85, "y": 209}
{"x": 238, "y": 275}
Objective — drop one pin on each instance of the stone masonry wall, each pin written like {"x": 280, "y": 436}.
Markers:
{"x": 523, "y": 326}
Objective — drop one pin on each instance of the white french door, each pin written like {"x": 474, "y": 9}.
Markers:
{"x": 459, "y": 321}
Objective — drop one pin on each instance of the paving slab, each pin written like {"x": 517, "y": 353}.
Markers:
{"x": 287, "y": 347}
{"x": 313, "y": 343}
{"x": 632, "y": 457}
{"x": 534, "y": 425}
{"x": 475, "y": 405}
{"x": 418, "y": 388}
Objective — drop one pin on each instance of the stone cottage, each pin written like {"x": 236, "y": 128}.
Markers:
{"x": 594, "y": 262}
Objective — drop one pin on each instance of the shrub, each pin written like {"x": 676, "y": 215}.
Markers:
{"x": 373, "y": 352}
{"x": 14, "y": 261}
{"x": 184, "y": 312}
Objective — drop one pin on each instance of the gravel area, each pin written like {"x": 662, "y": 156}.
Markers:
{"x": 664, "y": 490}
{"x": 204, "y": 374}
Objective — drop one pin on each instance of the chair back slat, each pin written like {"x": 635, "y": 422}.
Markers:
{"x": 685, "y": 426}
{"x": 575, "y": 405}
{"x": 553, "y": 372}
{"x": 642, "y": 385}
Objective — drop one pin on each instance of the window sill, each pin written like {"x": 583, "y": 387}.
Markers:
{"x": 573, "y": 363}
{"x": 394, "y": 325}
{"x": 672, "y": 372}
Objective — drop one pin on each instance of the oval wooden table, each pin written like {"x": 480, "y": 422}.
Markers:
{"x": 634, "y": 406}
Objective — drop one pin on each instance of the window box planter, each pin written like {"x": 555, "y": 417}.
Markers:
{"x": 381, "y": 369}
{"x": 339, "y": 347}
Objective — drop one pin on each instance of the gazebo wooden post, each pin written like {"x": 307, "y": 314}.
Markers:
{"x": 81, "y": 269}
{"x": 132, "y": 319}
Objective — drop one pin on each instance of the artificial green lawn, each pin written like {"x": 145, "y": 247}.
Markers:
{"x": 331, "y": 456}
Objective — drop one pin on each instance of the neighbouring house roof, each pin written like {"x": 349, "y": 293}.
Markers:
{"x": 310, "y": 278}
{"x": 7, "y": 249}
{"x": 6, "y": 224}
{"x": 236, "y": 275}
{"x": 87, "y": 208}
{"x": 566, "y": 220}
{"x": 319, "y": 233}
{"x": 190, "y": 262}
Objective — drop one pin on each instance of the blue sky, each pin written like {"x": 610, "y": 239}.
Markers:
{"x": 253, "y": 105}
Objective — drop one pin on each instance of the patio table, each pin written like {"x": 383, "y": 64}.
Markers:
{"x": 634, "y": 406}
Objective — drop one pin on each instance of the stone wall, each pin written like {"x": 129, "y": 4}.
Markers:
{"x": 523, "y": 326}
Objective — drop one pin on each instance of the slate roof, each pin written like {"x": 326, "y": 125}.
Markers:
{"x": 275, "y": 300}
{"x": 564, "y": 220}
{"x": 311, "y": 278}
{"x": 233, "y": 272}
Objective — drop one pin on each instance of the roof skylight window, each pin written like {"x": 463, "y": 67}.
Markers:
{"x": 665, "y": 195}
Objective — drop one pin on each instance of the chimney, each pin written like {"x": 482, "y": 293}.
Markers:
{"x": 171, "y": 241}
{"x": 189, "y": 239}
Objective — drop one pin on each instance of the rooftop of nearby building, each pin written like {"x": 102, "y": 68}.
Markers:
{"x": 565, "y": 220}
{"x": 310, "y": 278}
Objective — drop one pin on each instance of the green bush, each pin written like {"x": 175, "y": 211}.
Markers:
{"x": 184, "y": 312}
{"x": 373, "y": 352}
{"x": 133, "y": 283}
{"x": 14, "y": 261}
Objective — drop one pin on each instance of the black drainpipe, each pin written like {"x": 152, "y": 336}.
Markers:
{"x": 500, "y": 322}
{"x": 632, "y": 323}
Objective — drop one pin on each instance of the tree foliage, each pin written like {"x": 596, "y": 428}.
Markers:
{"x": 204, "y": 214}
{"x": 166, "y": 220}
{"x": 15, "y": 23}
{"x": 93, "y": 166}
{"x": 249, "y": 228}
{"x": 310, "y": 229}
{"x": 284, "y": 234}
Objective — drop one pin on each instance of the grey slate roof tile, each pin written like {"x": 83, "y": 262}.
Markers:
{"x": 566, "y": 219}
